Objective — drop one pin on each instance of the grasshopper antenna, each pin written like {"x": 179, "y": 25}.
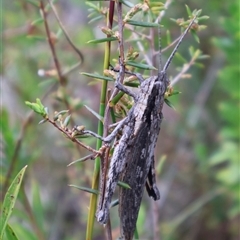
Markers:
{"x": 178, "y": 44}
{"x": 160, "y": 50}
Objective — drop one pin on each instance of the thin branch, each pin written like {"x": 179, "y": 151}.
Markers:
{"x": 57, "y": 64}
{"x": 120, "y": 43}
{"x": 16, "y": 152}
{"x": 65, "y": 32}
{"x": 72, "y": 138}
{"x": 183, "y": 70}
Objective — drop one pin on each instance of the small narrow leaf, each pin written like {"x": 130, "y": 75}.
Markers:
{"x": 90, "y": 156}
{"x": 123, "y": 184}
{"x": 191, "y": 51}
{"x": 181, "y": 58}
{"x": 140, "y": 65}
{"x": 37, "y": 21}
{"x": 81, "y": 136}
{"x": 114, "y": 203}
{"x": 67, "y": 121}
{"x": 38, "y": 101}
{"x": 93, "y": 6}
{"x": 116, "y": 99}
{"x": 168, "y": 36}
{"x": 169, "y": 103}
{"x": 46, "y": 110}
{"x": 60, "y": 113}
{"x": 175, "y": 93}
{"x": 195, "y": 36}
{"x": 100, "y": 118}
{"x": 97, "y": 76}
{"x": 101, "y": 40}
{"x": 85, "y": 189}
{"x": 43, "y": 121}
{"x": 132, "y": 84}
{"x": 95, "y": 19}
{"x": 142, "y": 24}
{"x": 203, "y": 57}
{"x": 189, "y": 12}
{"x": 127, "y": 3}
{"x": 199, "y": 65}
{"x": 203, "y": 18}
{"x": 59, "y": 33}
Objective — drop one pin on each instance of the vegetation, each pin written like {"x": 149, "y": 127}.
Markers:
{"x": 198, "y": 150}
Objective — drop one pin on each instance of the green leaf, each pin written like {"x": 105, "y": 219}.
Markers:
{"x": 101, "y": 40}
{"x": 169, "y": 103}
{"x": 140, "y": 65}
{"x": 188, "y": 10}
{"x": 181, "y": 58}
{"x": 9, "y": 233}
{"x": 42, "y": 121}
{"x": 38, "y": 101}
{"x": 168, "y": 37}
{"x": 85, "y": 189}
{"x": 63, "y": 112}
{"x": 114, "y": 203}
{"x": 37, "y": 21}
{"x": 195, "y": 36}
{"x": 175, "y": 93}
{"x": 95, "y": 19}
{"x": 9, "y": 200}
{"x": 93, "y": 6}
{"x": 127, "y": 3}
{"x": 142, "y": 24}
{"x": 123, "y": 184}
{"x": 67, "y": 121}
{"x": 33, "y": 106}
{"x": 97, "y": 76}
{"x": 37, "y": 107}
{"x": 203, "y": 56}
{"x": 203, "y": 18}
{"x": 90, "y": 156}
{"x": 136, "y": 235}
{"x": 116, "y": 99}
{"x": 100, "y": 118}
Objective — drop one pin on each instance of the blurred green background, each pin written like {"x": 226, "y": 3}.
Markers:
{"x": 199, "y": 182}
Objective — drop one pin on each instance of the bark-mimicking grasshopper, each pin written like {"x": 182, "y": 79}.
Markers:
{"x": 133, "y": 158}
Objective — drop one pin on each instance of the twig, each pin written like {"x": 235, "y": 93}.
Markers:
{"x": 72, "y": 138}
{"x": 120, "y": 43}
{"x": 16, "y": 152}
{"x": 61, "y": 77}
{"x": 65, "y": 32}
{"x": 57, "y": 64}
{"x": 183, "y": 71}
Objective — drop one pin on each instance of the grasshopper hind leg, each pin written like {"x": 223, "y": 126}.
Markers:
{"x": 151, "y": 185}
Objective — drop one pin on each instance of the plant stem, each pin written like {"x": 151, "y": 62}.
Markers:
{"x": 95, "y": 179}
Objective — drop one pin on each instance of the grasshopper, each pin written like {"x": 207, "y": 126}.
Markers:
{"x": 133, "y": 158}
